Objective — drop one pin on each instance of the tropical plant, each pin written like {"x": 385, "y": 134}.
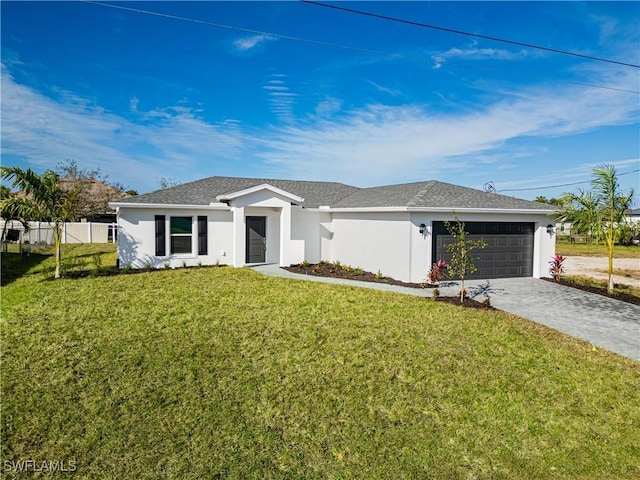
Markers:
{"x": 461, "y": 263}
{"x": 557, "y": 268}
{"x": 581, "y": 210}
{"x": 8, "y": 210}
{"x": 43, "y": 200}
{"x": 437, "y": 271}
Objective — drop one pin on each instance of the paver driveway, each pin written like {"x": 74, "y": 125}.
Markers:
{"x": 601, "y": 321}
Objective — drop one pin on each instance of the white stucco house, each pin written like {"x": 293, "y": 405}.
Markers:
{"x": 397, "y": 230}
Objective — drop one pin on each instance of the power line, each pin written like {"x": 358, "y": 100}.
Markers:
{"x": 460, "y": 32}
{"x": 557, "y": 186}
{"x": 335, "y": 45}
{"x": 250, "y": 30}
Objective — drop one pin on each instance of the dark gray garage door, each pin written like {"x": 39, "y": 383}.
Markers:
{"x": 509, "y": 251}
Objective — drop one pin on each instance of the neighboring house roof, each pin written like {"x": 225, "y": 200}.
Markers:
{"x": 633, "y": 213}
{"x": 95, "y": 195}
{"x": 430, "y": 194}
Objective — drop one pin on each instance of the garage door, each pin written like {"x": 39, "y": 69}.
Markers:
{"x": 509, "y": 251}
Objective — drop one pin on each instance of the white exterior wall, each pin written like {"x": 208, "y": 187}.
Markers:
{"x": 389, "y": 242}
{"x": 310, "y": 236}
{"x": 136, "y": 239}
{"x": 544, "y": 247}
{"x": 372, "y": 241}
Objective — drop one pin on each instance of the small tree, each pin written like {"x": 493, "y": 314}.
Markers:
{"x": 42, "y": 199}
{"x": 168, "y": 182}
{"x": 461, "y": 263}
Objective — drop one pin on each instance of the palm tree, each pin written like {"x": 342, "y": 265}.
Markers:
{"x": 612, "y": 205}
{"x": 582, "y": 211}
{"x": 43, "y": 200}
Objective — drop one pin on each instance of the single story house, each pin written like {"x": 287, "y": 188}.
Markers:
{"x": 397, "y": 230}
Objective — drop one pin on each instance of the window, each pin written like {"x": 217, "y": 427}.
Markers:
{"x": 181, "y": 231}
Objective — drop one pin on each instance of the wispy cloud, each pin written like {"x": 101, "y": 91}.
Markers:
{"x": 252, "y": 43}
{"x": 281, "y": 98}
{"x": 328, "y": 107}
{"x": 371, "y": 145}
{"x": 387, "y": 90}
{"x": 473, "y": 53}
{"x": 161, "y": 142}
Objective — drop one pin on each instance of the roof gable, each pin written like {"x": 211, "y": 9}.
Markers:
{"x": 265, "y": 186}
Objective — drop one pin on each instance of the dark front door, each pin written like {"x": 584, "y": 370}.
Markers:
{"x": 256, "y": 239}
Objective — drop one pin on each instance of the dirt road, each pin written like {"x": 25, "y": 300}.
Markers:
{"x": 596, "y": 267}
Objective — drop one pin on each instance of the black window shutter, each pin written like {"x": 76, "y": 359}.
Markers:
{"x": 202, "y": 235}
{"x": 161, "y": 242}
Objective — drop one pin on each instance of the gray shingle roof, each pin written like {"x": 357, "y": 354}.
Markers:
{"x": 430, "y": 194}
{"x": 205, "y": 191}
{"x": 433, "y": 194}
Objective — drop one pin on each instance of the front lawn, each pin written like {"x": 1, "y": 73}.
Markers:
{"x": 223, "y": 373}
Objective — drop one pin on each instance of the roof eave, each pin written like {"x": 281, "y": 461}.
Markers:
{"x": 441, "y": 209}
{"x": 211, "y": 206}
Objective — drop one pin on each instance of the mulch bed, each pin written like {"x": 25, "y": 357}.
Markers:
{"x": 325, "y": 269}
{"x": 623, "y": 297}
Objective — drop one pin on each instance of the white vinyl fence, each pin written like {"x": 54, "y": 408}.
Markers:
{"x": 40, "y": 233}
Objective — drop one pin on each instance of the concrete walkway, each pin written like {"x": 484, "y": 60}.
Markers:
{"x": 599, "y": 320}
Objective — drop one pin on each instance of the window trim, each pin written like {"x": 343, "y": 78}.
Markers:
{"x": 181, "y": 235}
{"x": 199, "y": 236}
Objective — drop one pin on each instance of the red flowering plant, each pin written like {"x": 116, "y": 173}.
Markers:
{"x": 437, "y": 271}
{"x": 557, "y": 268}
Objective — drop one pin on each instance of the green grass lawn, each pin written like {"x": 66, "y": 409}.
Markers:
{"x": 563, "y": 247}
{"x": 208, "y": 373}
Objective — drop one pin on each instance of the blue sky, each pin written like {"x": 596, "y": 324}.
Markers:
{"x": 226, "y": 90}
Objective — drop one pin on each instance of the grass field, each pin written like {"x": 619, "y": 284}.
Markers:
{"x": 563, "y": 247}
{"x": 223, "y": 373}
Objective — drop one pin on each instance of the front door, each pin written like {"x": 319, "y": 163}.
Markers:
{"x": 256, "y": 239}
